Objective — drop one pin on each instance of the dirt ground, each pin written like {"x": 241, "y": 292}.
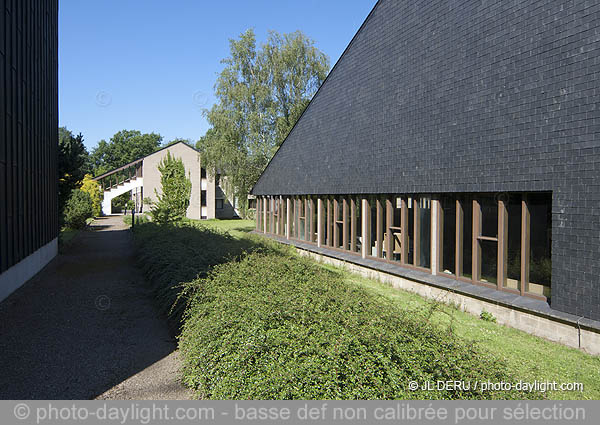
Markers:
{"x": 86, "y": 327}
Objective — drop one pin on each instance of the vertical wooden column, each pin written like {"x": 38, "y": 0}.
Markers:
{"x": 306, "y": 220}
{"x": 288, "y": 217}
{"x": 379, "y": 228}
{"x": 525, "y": 245}
{"x": 437, "y": 228}
{"x": 336, "y": 232}
{"x": 257, "y": 218}
{"x": 329, "y": 216}
{"x": 460, "y": 220}
{"x": 476, "y": 250}
{"x": 404, "y": 231}
{"x": 353, "y": 224}
{"x": 265, "y": 200}
{"x": 312, "y": 219}
{"x": 320, "y": 222}
{"x": 366, "y": 227}
{"x": 345, "y": 226}
{"x": 502, "y": 243}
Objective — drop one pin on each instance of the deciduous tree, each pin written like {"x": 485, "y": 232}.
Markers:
{"x": 261, "y": 94}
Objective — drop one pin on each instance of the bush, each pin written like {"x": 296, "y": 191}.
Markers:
{"x": 93, "y": 188}
{"x": 174, "y": 254}
{"x": 78, "y": 209}
{"x": 172, "y": 203}
{"x": 282, "y": 327}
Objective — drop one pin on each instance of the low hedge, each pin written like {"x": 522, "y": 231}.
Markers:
{"x": 282, "y": 327}
{"x": 171, "y": 255}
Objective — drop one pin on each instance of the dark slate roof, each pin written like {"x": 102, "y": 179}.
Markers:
{"x": 451, "y": 96}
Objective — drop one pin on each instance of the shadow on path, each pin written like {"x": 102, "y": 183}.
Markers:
{"x": 83, "y": 324}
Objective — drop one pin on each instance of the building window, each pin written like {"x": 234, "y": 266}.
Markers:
{"x": 540, "y": 244}
{"x": 219, "y": 204}
{"x": 485, "y": 216}
{"x": 202, "y": 173}
{"x": 356, "y": 225}
{"x": 203, "y": 198}
{"x": 447, "y": 229}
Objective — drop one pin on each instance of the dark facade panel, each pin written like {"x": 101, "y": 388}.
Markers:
{"x": 474, "y": 96}
{"x": 28, "y": 127}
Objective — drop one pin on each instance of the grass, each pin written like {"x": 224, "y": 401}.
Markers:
{"x": 67, "y": 235}
{"x": 526, "y": 358}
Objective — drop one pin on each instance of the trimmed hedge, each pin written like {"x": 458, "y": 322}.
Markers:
{"x": 171, "y": 255}
{"x": 282, "y": 327}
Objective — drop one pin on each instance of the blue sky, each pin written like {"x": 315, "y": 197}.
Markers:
{"x": 151, "y": 65}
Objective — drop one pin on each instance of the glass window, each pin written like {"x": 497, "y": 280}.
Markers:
{"x": 411, "y": 231}
{"x": 467, "y": 235}
{"x": 373, "y": 224}
{"x": 314, "y": 219}
{"x": 448, "y": 232}
{"x": 489, "y": 248}
{"x": 424, "y": 212}
{"x": 219, "y": 204}
{"x": 540, "y": 255}
{"x": 396, "y": 228}
{"x": 301, "y": 219}
{"x": 203, "y": 198}
{"x": 357, "y": 225}
{"x": 268, "y": 214}
{"x": 339, "y": 223}
{"x": 513, "y": 259}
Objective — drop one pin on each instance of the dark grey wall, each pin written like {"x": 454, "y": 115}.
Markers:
{"x": 466, "y": 96}
{"x": 28, "y": 127}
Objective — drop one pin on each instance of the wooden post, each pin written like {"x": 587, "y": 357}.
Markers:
{"x": 379, "y": 229}
{"x": 288, "y": 217}
{"x": 525, "y": 245}
{"x": 460, "y": 220}
{"x": 366, "y": 228}
{"x": 345, "y": 224}
{"x": 353, "y": 224}
{"x": 502, "y": 243}
{"x": 476, "y": 250}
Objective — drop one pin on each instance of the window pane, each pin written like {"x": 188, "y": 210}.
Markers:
{"x": 448, "y": 235}
{"x": 358, "y": 223}
{"x": 540, "y": 268}
{"x": 425, "y": 232}
{"x": 513, "y": 266}
{"x": 489, "y": 216}
{"x": 396, "y": 228}
{"x": 489, "y": 260}
{"x": 268, "y": 214}
{"x": 467, "y": 206}
{"x": 373, "y": 206}
{"x": 315, "y": 220}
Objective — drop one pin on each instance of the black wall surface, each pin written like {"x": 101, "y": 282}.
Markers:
{"x": 28, "y": 127}
{"x": 466, "y": 96}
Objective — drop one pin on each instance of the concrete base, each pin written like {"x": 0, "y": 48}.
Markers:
{"x": 546, "y": 327}
{"x": 17, "y": 275}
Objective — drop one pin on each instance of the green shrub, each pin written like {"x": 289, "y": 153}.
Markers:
{"x": 176, "y": 188}
{"x": 178, "y": 253}
{"x": 78, "y": 209}
{"x": 281, "y": 327}
{"x": 487, "y": 316}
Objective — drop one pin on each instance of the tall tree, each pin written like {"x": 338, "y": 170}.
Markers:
{"x": 261, "y": 94}
{"x": 176, "y": 189}
{"x": 124, "y": 147}
{"x": 73, "y": 163}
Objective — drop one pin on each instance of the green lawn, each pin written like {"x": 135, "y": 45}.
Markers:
{"x": 530, "y": 357}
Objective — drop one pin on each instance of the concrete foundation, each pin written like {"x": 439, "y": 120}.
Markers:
{"x": 17, "y": 275}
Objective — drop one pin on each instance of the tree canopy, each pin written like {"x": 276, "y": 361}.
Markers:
{"x": 124, "y": 147}
{"x": 261, "y": 93}
{"x": 73, "y": 163}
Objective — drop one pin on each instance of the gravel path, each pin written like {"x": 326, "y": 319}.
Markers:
{"x": 86, "y": 327}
